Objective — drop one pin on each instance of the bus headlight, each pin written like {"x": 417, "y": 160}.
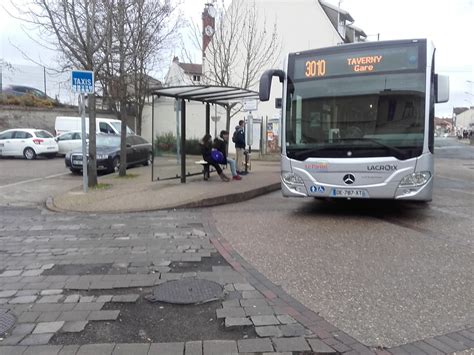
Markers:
{"x": 292, "y": 180}
{"x": 415, "y": 179}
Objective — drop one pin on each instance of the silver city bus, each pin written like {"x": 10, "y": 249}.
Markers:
{"x": 358, "y": 120}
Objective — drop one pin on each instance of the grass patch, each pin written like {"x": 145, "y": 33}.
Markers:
{"x": 101, "y": 186}
{"x": 127, "y": 176}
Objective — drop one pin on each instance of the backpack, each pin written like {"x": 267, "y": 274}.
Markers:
{"x": 217, "y": 156}
{"x": 234, "y": 136}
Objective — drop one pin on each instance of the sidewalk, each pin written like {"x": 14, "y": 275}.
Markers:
{"x": 137, "y": 193}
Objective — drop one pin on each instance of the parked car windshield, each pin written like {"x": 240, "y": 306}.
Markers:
{"x": 118, "y": 127}
{"x": 43, "y": 134}
{"x": 108, "y": 140}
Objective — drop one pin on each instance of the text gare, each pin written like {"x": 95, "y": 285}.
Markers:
{"x": 363, "y": 64}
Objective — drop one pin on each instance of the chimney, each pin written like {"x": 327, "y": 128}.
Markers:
{"x": 176, "y": 60}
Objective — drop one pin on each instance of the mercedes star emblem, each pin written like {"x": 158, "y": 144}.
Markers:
{"x": 349, "y": 179}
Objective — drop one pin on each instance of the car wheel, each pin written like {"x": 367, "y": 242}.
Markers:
{"x": 115, "y": 164}
{"x": 75, "y": 171}
{"x": 149, "y": 159}
{"x": 29, "y": 153}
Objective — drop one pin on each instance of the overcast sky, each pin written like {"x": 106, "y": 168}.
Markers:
{"x": 447, "y": 23}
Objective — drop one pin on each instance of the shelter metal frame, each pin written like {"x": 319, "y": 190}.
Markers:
{"x": 224, "y": 96}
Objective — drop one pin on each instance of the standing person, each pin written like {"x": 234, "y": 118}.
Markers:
{"x": 206, "y": 149}
{"x": 220, "y": 143}
{"x": 239, "y": 139}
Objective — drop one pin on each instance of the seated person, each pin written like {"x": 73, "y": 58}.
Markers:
{"x": 220, "y": 143}
{"x": 206, "y": 149}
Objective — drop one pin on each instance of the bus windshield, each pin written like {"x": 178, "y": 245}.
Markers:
{"x": 334, "y": 111}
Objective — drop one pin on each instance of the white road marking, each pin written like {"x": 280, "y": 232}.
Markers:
{"x": 32, "y": 180}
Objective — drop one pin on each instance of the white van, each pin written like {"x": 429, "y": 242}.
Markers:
{"x": 105, "y": 125}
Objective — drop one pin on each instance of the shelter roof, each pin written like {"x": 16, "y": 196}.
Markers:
{"x": 220, "y": 95}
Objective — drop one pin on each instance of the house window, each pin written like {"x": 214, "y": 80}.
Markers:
{"x": 196, "y": 78}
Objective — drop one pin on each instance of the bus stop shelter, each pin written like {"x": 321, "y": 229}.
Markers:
{"x": 224, "y": 96}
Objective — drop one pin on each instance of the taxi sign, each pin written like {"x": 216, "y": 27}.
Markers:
{"x": 82, "y": 81}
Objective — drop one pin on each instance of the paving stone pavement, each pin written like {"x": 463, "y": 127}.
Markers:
{"x": 50, "y": 265}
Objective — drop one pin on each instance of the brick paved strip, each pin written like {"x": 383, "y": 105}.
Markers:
{"x": 264, "y": 320}
{"x": 219, "y": 347}
{"x": 128, "y": 349}
{"x": 48, "y": 327}
{"x": 451, "y": 342}
{"x": 468, "y": 344}
{"x": 13, "y": 350}
{"x": 74, "y": 327}
{"x": 12, "y": 340}
{"x": 231, "y": 322}
{"x": 319, "y": 347}
{"x": 167, "y": 348}
{"x": 254, "y": 345}
{"x": 96, "y": 349}
{"x": 467, "y": 334}
{"x": 193, "y": 348}
{"x": 37, "y": 339}
{"x": 427, "y": 348}
{"x": 103, "y": 315}
{"x": 438, "y": 345}
{"x": 42, "y": 350}
{"x": 412, "y": 350}
{"x": 69, "y": 350}
{"x": 291, "y": 344}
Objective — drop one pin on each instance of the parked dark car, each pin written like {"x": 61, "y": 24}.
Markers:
{"x": 108, "y": 153}
{"x": 20, "y": 90}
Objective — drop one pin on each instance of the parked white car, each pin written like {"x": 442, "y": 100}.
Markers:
{"x": 28, "y": 143}
{"x": 69, "y": 142}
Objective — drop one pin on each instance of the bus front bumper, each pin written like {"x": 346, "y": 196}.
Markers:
{"x": 390, "y": 190}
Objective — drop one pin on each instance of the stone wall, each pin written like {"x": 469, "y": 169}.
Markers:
{"x": 31, "y": 117}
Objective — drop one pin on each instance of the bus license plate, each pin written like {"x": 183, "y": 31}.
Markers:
{"x": 349, "y": 193}
{"x": 77, "y": 162}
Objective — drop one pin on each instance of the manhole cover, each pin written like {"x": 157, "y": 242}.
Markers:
{"x": 7, "y": 321}
{"x": 187, "y": 291}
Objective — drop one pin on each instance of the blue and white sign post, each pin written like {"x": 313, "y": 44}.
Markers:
{"x": 82, "y": 82}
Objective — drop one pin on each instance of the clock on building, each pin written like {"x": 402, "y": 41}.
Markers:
{"x": 209, "y": 31}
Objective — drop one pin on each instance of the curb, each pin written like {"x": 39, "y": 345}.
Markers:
{"x": 206, "y": 202}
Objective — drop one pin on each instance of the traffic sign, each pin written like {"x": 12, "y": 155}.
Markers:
{"x": 249, "y": 105}
{"x": 82, "y": 81}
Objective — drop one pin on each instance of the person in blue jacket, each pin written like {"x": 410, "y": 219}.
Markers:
{"x": 239, "y": 139}
{"x": 220, "y": 143}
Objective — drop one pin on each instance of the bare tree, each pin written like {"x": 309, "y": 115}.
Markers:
{"x": 153, "y": 28}
{"x": 140, "y": 29}
{"x": 242, "y": 45}
{"x": 78, "y": 29}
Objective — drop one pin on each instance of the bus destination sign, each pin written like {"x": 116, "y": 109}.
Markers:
{"x": 314, "y": 65}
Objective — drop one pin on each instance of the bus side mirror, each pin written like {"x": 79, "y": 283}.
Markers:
{"x": 266, "y": 82}
{"x": 442, "y": 88}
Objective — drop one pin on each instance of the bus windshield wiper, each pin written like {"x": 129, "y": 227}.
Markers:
{"x": 398, "y": 153}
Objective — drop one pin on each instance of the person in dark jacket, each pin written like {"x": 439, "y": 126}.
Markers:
{"x": 239, "y": 139}
{"x": 206, "y": 149}
{"x": 220, "y": 143}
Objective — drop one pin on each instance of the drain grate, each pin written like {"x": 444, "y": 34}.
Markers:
{"x": 7, "y": 321}
{"x": 187, "y": 291}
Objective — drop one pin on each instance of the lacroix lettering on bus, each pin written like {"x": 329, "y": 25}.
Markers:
{"x": 386, "y": 167}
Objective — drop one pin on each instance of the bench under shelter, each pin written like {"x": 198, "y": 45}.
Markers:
{"x": 224, "y": 96}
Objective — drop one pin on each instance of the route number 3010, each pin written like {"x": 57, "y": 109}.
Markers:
{"x": 315, "y": 68}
